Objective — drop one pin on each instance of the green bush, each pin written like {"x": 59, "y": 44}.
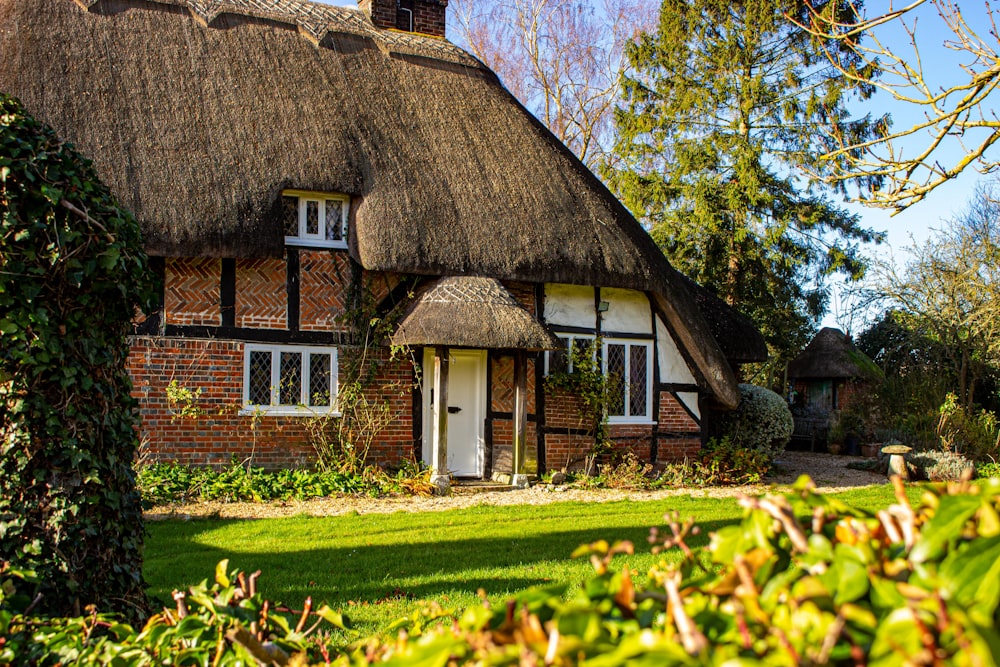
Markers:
{"x": 974, "y": 433}
{"x": 761, "y": 422}
{"x": 801, "y": 579}
{"x": 165, "y": 483}
{"x": 990, "y": 469}
{"x": 940, "y": 466}
{"x": 72, "y": 276}
{"x": 720, "y": 463}
{"x": 626, "y": 472}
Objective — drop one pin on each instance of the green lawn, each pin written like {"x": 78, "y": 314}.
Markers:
{"x": 376, "y": 567}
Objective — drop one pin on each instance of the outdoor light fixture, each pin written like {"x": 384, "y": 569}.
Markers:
{"x": 603, "y": 306}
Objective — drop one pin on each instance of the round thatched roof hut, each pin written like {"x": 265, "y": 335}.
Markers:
{"x": 832, "y": 355}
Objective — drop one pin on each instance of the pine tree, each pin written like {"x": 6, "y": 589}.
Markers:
{"x": 728, "y": 106}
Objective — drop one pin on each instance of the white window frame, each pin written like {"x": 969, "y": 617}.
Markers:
{"x": 571, "y": 338}
{"x": 303, "y": 408}
{"x": 318, "y": 240}
{"x": 570, "y": 343}
{"x": 629, "y": 343}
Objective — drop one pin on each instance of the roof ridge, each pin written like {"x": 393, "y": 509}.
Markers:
{"x": 315, "y": 21}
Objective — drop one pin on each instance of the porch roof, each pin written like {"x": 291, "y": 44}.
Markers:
{"x": 472, "y": 311}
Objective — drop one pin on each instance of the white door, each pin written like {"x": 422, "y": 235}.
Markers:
{"x": 466, "y": 411}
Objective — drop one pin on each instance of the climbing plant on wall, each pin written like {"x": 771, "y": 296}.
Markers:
{"x": 72, "y": 277}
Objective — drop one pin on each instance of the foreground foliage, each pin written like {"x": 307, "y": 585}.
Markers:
{"x": 72, "y": 276}
{"x": 802, "y": 579}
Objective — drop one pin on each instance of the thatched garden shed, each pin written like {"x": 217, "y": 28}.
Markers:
{"x": 826, "y": 377}
{"x": 301, "y": 171}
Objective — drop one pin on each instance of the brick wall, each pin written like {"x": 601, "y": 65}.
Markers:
{"x": 261, "y": 295}
{"x": 322, "y": 294}
{"x": 429, "y": 17}
{"x": 191, "y": 292}
{"x": 679, "y": 434}
{"x": 219, "y": 432}
{"x": 524, "y": 293}
{"x": 502, "y": 391}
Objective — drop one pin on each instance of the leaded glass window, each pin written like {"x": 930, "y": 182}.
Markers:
{"x": 289, "y": 379}
{"x": 314, "y": 219}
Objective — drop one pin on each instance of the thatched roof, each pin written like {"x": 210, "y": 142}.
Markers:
{"x": 832, "y": 355}
{"x": 468, "y": 311}
{"x": 740, "y": 340}
{"x": 198, "y": 113}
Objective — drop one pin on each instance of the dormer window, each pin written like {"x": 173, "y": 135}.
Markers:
{"x": 315, "y": 219}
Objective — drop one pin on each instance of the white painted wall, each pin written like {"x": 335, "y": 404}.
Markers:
{"x": 628, "y": 311}
{"x": 690, "y": 400}
{"x": 673, "y": 368}
{"x": 570, "y": 306}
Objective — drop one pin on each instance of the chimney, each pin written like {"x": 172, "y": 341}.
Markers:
{"x": 423, "y": 16}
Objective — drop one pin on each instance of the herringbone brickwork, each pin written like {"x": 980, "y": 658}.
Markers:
{"x": 502, "y": 391}
{"x": 325, "y": 275}
{"x": 191, "y": 291}
{"x": 261, "y": 294}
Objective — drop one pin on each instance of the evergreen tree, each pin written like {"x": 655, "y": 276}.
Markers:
{"x": 729, "y": 107}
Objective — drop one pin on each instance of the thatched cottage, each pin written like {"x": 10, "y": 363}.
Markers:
{"x": 291, "y": 162}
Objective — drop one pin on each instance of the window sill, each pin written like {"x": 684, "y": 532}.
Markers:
{"x": 286, "y": 411}
{"x": 638, "y": 421}
{"x": 296, "y": 242}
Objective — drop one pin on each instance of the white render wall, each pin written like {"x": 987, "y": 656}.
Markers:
{"x": 628, "y": 311}
{"x": 570, "y": 306}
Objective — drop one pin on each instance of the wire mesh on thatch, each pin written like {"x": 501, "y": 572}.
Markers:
{"x": 739, "y": 339}
{"x": 198, "y": 113}
{"x": 831, "y": 354}
{"x": 471, "y": 311}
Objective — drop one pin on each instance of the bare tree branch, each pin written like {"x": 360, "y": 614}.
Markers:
{"x": 561, "y": 58}
{"x": 957, "y": 115}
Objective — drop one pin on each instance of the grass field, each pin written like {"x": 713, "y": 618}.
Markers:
{"x": 376, "y": 567}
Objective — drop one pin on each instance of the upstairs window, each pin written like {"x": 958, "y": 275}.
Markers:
{"x": 315, "y": 219}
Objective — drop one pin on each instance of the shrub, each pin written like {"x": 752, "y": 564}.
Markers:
{"x": 72, "y": 276}
{"x": 940, "y": 466}
{"x": 721, "y": 463}
{"x": 974, "y": 433}
{"x": 991, "y": 469}
{"x": 761, "y": 421}
{"x": 627, "y": 472}
{"x": 164, "y": 483}
{"x": 902, "y": 585}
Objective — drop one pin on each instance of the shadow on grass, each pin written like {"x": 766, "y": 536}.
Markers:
{"x": 427, "y": 568}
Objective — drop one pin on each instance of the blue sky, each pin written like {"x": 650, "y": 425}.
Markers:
{"x": 941, "y": 66}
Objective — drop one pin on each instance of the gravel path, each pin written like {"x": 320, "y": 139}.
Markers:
{"x": 827, "y": 470}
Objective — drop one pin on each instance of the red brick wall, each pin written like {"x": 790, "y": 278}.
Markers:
{"x": 637, "y": 437}
{"x": 382, "y": 12}
{"x": 429, "y": 17}
{"x": 261, "y": 294}
{"x": 683, "y": 434}
{"x": 502, "y": 391}
{"x": 524, "y": 293}
{"x": 191, "y": 291}
{"x": 503, "y": 446}
{"x": 322, "y": 293}
{"x": 566, "y": 450}
{"x": 219, "y": 431}
{"x": 565, "y": 444}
